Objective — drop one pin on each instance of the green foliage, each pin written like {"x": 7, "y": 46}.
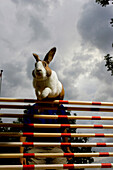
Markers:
{"x": 111, "y": 22}
{"x": 10, "y": 161}
{"x": 109, "y": 63}
{"x": 103, "y": 2}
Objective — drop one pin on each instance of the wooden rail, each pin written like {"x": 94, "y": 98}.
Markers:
{"x": 55, "y": 166}
{"x": 22, "y": 125}
{"x": 44, "y": 144}
{"x": 11, "y": 115}
{"x": 17, "y": 134}
{"x": 92, "y": 109}
{"x": 55, "y": 155}
{"x": 71, "y": 102}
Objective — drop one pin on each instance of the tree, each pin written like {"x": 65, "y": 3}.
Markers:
{"x": 109, "y": 60}
{"x": 109, "y": 63}
{"x": 10, "y": 161}
{"x": 103, "y": 2}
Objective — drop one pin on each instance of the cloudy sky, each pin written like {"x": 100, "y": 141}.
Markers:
{"x": 82, "y": 34}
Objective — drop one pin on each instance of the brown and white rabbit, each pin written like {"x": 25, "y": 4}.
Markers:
{"x": 45, "y": 80}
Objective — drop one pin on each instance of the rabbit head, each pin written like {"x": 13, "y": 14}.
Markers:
{"x": 42, "y": 70}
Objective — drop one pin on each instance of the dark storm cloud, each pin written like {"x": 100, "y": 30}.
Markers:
{"x": 105, "y": 88}
{"x": 94, "y": 26}
{"x": 101, "y": 73}
{"x": 33, "y": 14}
{"x": 13, "y": 74}
{"x": 39, "y": 30}
{"x": 76, "y": 69}
{"x": 37, "y": 3}
{"x": 30, "y": 67}
{"x": 79, "y": 66}
{"x": 71, "y": 92}
{"x": 14, "y": 78}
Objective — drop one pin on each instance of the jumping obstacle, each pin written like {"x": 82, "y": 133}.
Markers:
{"x": 58, "y": 166}
{"x": 55, "y": 155}
{"x": 80, "y": 106}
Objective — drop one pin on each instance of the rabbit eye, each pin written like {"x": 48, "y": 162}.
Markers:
{"x": 44, "y": 64}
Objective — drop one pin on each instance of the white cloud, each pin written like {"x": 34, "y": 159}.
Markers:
{"x": 94, "y": 26}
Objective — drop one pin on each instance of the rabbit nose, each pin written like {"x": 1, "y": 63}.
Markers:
{"x": 38, "y": 70}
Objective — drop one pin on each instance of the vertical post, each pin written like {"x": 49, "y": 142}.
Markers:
{"x": 1, "y": 81}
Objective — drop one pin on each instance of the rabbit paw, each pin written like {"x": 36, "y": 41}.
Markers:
{"x": 46, "y": 92}
{"x": 38, "y": 94}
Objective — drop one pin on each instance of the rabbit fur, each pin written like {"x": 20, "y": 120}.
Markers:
{"x": 45, "y": 80}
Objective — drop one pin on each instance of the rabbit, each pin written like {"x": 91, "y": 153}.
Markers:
{"x": 45, "y": 80}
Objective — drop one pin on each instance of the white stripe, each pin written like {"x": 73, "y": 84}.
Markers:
{"x": 50, "y": 166}
{"x": 11, "y": 167}
{"x": 109, "y": 144}
{"x": 46, "y": 144}
{"x": 87, "y": 165}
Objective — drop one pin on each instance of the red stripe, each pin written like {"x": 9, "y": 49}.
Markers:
{"x": 28, "y": 134}
{"x": 99, "y": 135}
{"x": 66, "y": 166}
{"x": 65, "y": 125}
{"x": 65, "y": 144}
{"x": 98, "y": 126}
{"x": 27, "y": 144}
{"x": 29, "y": 125}
{"x": 66, "y": 134}
{"x": 101, "y": 144}
{"x": 27, "y": 167}
{"x": 106, "y": 165}
{"x": 96, "y": 103}
{"x": 63, "y": 101}
{"x": 104, "y": 154}
{"x": 28, "y": 154}
{"x": 68, "y": 154}
{"x": 96, "y": 118}
{"x": 62, "y": 116}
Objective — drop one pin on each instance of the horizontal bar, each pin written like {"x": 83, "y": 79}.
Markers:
{"x": 95, "y": 109}
{"x": 56, "y": 116}
{"x": 56, "y": 101}
{"x": 44, "y": 144}
{"x": 17, "y": 134}
{"x": 55, "y": 166}
{"x": 21, "y": 125}
{"x": 55, "y": 155}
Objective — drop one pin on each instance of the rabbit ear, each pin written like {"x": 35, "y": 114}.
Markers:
{"x": 49, "y": 56}
{"x": 36, "y": 57}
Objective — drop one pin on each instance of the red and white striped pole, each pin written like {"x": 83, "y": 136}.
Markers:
{"x": 11, "y": 115}
{"x": 21, "y": 125}
{"x": 70, "y": 102}
{"x": 55, "y": 155}
{"x": 55, "y": 166}
{"x": 45, "y": 144}
{"x": 18, "y": 134}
